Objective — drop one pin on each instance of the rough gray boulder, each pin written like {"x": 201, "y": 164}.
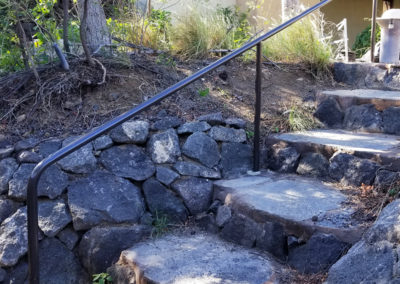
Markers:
{"x": 360, "y": 171}
{"x": 192, "y": 169}
{"x": 104, "y": 198}
{"x": 7, "y": 168}
{"x": 195, "y": 192}
{"x": 6, "y": 152}
{"x": 330, "y": 113}
{"x": 7, "y": 208}
{"x": 225, "y": 134}
{"x": 53, "y": 182}
{"x": 391, "y": 120}
{"x": 82, "y": 161}
{"x": 131, "y": 132}
{"x": 162, "y": 201}
{"x": 364, "y": 263}
{"x": 58, "y": 264}
{"x": 53, "y": 216}
{"x": 29, "y": 157}
{"x": 241, "y": 230}
{"x": 319, "y": 253}
{"x": 166, "y": 175}
{"x": 236, "y": 122}
{"x": 192, "y": 127}
{"x": 202, "y": 148}
{"x": 224, "y": 213}
{"x": 385, "y": 179}
{"x": 68, "y": 237}
{"x": 49, "y": 147}
{"x": 164, "y": 147}
{"x": 18, "y": 184}
{"x": 101, "y": 247}
{"x": 128, "y": 161}
{"x": 272, "y": 238}
{"x": 18, "y": 273}
{"x": 212, "y": 118}
{"x": 103, "y": 142}
{"x": 236, "y": 159}
{"x": 313, "y": 164}
{"x": 386, "y": 227}
{"x": 283, "y": 159}
{"x": 363, "y": 117}
{"x": 26, "y": 144}
{"x": 166, "y": 123}
{"x": 339, "y": 163}
{"x": 13, "y": 238}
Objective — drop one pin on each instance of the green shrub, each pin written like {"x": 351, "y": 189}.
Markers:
{"x": 363, "y": 40}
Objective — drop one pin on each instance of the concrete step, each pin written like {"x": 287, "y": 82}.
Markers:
{"x": 183, "y": 258}
{"x": 379, "y": 98}
{"x": 300, "y": 220}
{"x": 381, "y": 148}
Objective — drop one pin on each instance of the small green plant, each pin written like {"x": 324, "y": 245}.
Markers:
{"x": 102, "y": 278}
{"x": 394, "y": 191}
{"x": 363, "y": 40}
{"x": 166, "y": 60}
{"x": 160, "y": 225}
{"x": 250, "y": 134}
{"x": 204, "y": 92}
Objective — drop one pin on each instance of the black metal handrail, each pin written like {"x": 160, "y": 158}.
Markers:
{"x": 32, "y": 198}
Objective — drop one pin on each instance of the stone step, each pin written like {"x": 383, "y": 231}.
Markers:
{"x": 182, "y": 258}
{"x": 381, "y": 99}
{"x": 362, "y": 109}
{"x": 298, "y": 219}
{"x": 381, "y": 148}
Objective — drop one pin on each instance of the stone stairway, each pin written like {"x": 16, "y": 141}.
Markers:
{"x": 297, "y": 213}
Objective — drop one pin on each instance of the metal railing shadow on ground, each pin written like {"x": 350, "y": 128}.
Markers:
{"x": 32, "y": 197}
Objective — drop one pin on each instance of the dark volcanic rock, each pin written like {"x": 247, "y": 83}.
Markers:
{"x": 391, "y": 120}
{"x": 236, "y": 159}
{"x": 241, "y": 230}
{"x": 49, "y": 147}
{"x": 360, "y": 172}
{"x": 385, "y": 179}
{"x": 53, "y": 216}
{"x": 318, "y": 254}
{"x": 195, "y": 192}
{"x": 283, "y": 159}
{"x": 192, "y": 127}
{"x": 101, "y": 247}
{"x": 202, "y": 148}
{"x": 58, "y": 264}
{"x": 162, "y": 201}
{"x": 192, "y": 169}
{"x": 26, "y": 144}
{"x": 18, "y": 184}
{"x": 6, "y": 152}
{"x": 272, "y": 238}
{"x": 103, "y": 142}
{"x": 7, "y": 208}
{"x": 225, "y": 134}
{"x": 7, "y": 168}
{"x": 131, "y": 132}
{"x": 53, "y": 182}
{"x": 166, "y": 123}
{"x": 82, "y": 161}
{"x": 339, "y": 163}
{"x": 68, "y": 237}
{"x": 29, "y": 157}
{"x": 236, "y": 122}
{"x": 330, "y": 113}
{"x": 212, "y": 118}
{"x": 313, "y": 164}
{"x": 166, "y": 175}
{"x": 164, "y": 147}
{"x": 363, "y": 117}
{"x": 104, "y": 198}
{"x": 128, "y": 161}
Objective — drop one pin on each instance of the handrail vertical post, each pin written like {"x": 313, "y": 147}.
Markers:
{"x": 257, "y": 116}
{"x": 33, "y": 232}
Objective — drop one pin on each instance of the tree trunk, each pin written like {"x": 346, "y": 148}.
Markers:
{"x": 95, "y": 31}
{"x": 65, "y": 25}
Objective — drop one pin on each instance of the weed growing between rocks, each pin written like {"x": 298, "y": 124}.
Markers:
{"x": 160, "y": 225}
{"x": 102, "y": 278}
{"x": 300, "y": 119}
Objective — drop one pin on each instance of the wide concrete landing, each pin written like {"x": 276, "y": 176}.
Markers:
{"x": 302, "y": 205}
{"x": 346, "y": 98}
{"x": 383, "y": 148}
{"x": 195, "y": 259}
